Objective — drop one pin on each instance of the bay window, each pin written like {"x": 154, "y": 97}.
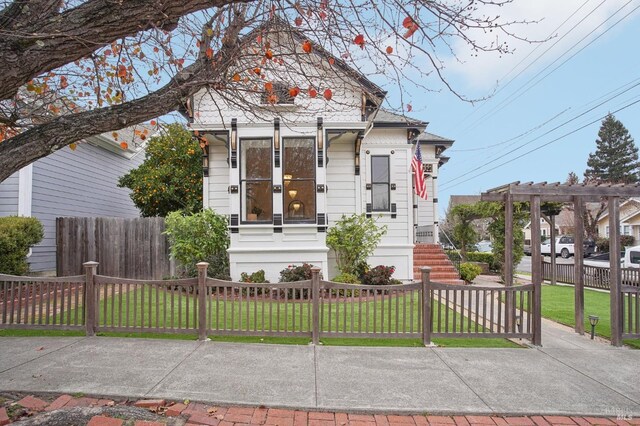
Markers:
{"x": 299, "y": 178}
{"x": 256, "y": 180}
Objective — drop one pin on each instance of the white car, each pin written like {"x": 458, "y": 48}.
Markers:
{"x": 565, "y": 247}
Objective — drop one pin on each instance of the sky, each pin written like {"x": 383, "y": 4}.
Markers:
{"x": 542, "y": 97}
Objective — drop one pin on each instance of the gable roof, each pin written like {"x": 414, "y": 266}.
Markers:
{"x": 300, "y": 37}
{"x": 386, "y": 118}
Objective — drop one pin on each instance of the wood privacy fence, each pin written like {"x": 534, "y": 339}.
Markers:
{"x": 594, "y": 276}
{"x": 313, "y": 308}
{"x": 130, "y": 248}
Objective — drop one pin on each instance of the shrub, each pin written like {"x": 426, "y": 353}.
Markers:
{"x": 476, "y": 256}
{"x": 353, "y": 239}
{"x": 380, "y": 275}
{"x": 296, "y": 273}
{"x": 603, "y": 243}
{"x": 469, "y": 271}
{"x": 255, "y": 277}
{"x": 199, "y": 237}
{"x": 346, "y": 278}
{"x": 17, "y": 234}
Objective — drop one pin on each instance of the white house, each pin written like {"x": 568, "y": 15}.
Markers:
{"x": 286, "y": 176}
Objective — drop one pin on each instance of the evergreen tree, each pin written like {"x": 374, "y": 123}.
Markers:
{"x": 616, "y": 156}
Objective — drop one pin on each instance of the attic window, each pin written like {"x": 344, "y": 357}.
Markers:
{"x": 281, "y": 93}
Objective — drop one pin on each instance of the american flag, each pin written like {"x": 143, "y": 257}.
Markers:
{"x": 416, "y": 166}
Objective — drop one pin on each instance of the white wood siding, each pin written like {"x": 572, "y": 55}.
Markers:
{"x": 341, "y": 181}
{"x": 218, "y": 178}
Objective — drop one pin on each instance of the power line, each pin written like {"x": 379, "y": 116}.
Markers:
{"x": 636, "y": 83}
{"x": 542, "y": 146}
{"x": 551, "y": 34}
{"x": 519, "y": 92}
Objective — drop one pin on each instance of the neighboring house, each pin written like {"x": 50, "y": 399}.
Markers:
{"x": 629, "y": 220}
{"x": 80, "y": 183}
{"x": 564, "y": 226}
{"x": 286, "y": 177}
{"x": 481, "y": 226}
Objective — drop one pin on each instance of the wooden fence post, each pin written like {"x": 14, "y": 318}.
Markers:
{"x": 615, "y": 276}
{"x": 578, "y": 264}
{"x": 536, "y": 269}
{"x": 90, "y": 269}
{"x": 202, "y": 300}
{"x": 426, "y": 305}
{"x": 315, "y": 297}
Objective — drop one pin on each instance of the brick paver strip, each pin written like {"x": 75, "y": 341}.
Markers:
{"x": 341, "y": 419}
{"x": 500, "y": 421}
{"x": 149, "y": 403}
{"x": 60, "y": 402}
{"x": 599, "y": 421}
{"x": 279, "y": 421}
{"x": 441, "y": 420}
{"x": 519, "y": 421}
{"x": 321, "y": 422}
{"x": 400, "y": 419}
{"x": 147, "y": 423}
{"x": 461, "y": 420}
{"x": 300, "y": 418}
{"x": 277, "y": 412}
{"x": 421, "y": 420}
{"x": 480, "y": 420}
{"x": 195, "y": 408}
{"x": 4, "y": 417}
{"x": 238, "y": 418}
{"x": 104, "y": 421}
{"x": 246, "y": 411}
{"x": 32, "y": 403}
{"x": 580, "y": 421}
{"x": 175, "y": 410}
{"x": 540, "y": 421}
{"x": 259, "y": 416}
{"x": 381, "y": 420}
{"x": 320, "y": 415}
{"x": 559, "y": 420}
{"x": 204, "y": 419}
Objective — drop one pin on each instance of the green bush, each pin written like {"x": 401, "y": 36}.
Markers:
{"x": 353, "y": 239}
{"x": 199, "y": 237}
{"x": 603, "y": 243}
{"x": 380, "y": 275}
{"x": 346, "y": 278}
{"x": 469, "y": 271}
{"x": 256, "y": 277}
{"x": 17, "y": 234}
{"x": 477, "y": 256}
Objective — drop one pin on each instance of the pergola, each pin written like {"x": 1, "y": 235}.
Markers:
{"x": 578, "y": 194}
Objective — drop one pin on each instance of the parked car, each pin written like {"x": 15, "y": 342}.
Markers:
{"x": 484, "y": 246}
{"x": 629, "y": 258}
{"x": 565, "y": 247}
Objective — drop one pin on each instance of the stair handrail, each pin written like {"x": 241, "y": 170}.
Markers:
{"x": 456, "y": 262}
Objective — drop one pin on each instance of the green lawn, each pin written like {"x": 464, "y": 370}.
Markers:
{"x": 558, "y": 305}
{"x": 395, "y": 314}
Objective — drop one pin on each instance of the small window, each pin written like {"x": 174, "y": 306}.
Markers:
{"x": 626, "y": 230}
{"x": 606, "y": 231}
{"x": 278, "y": 96}
{"x": 299, "y": 177}
{"x": 634, "y": 257}
{"x": 255, "y": 180}
{"x": 380, "y": 194}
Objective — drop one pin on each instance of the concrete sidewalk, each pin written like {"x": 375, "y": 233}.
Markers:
{"x": 564, "y": 377}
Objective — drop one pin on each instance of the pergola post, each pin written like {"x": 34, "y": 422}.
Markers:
{"x": 536, "y": 269}
{"x": 578, "y": 263}
{"x": 508, "y": 259}
{"x": 615, "y": 276}
{"x": 554, "y": 271}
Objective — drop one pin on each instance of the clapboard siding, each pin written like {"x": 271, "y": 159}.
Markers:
{"x": 218, "y": 178}
{"x": 80, "y": 183}
{"x": 341, "y": 181}
{"x": 9, "y": 196}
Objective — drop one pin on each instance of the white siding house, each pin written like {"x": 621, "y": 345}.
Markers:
{"x": 80, "y": 183}
{"x": 285, "y": 176}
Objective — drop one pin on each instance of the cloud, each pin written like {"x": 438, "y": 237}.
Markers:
{"x": 481, "y": 72}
